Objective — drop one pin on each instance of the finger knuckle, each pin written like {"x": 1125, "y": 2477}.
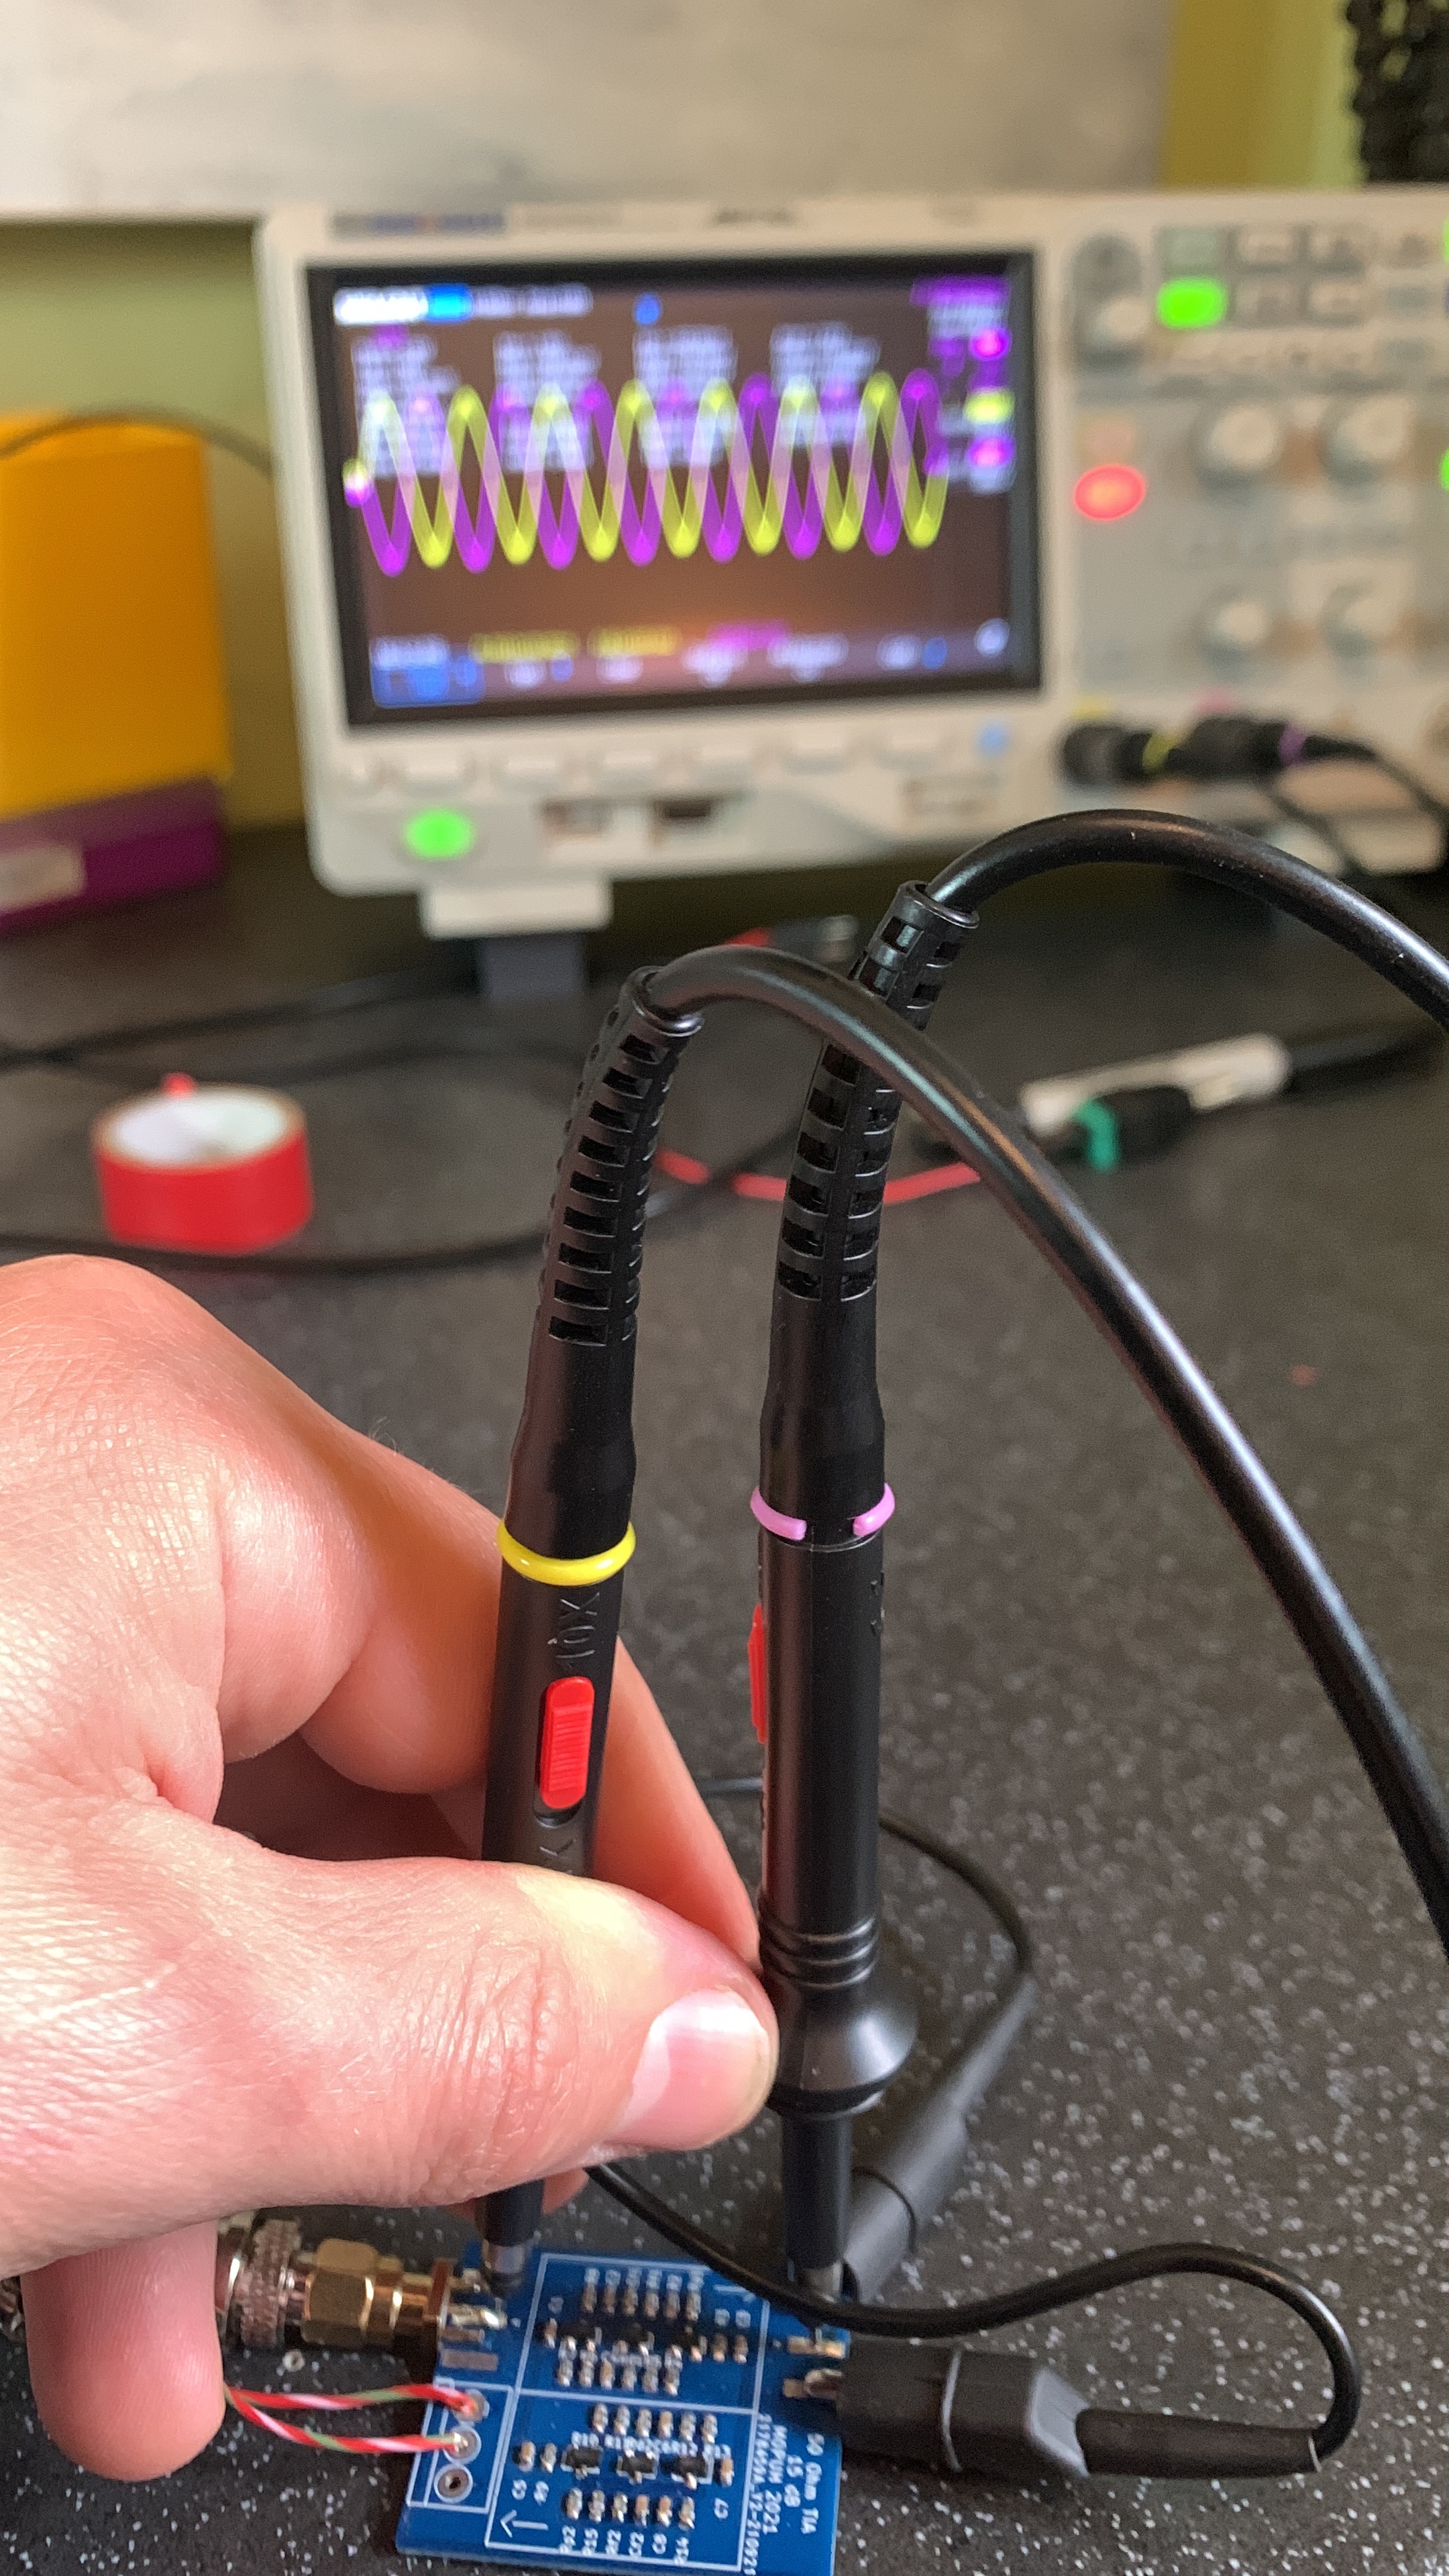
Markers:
{"x": 514, "y": 2065}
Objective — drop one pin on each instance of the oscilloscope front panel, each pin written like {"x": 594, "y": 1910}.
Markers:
{"x": 631, "y": 540}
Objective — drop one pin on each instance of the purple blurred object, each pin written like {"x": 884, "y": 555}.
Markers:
{"x": 113, "y": 849}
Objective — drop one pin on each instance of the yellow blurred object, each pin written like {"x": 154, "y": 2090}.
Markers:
{"x": 111, "y": 670}
{"x": 1258, "y": 96}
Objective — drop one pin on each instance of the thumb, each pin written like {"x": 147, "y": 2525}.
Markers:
{"x": 245, "y": 2027}
{"x": 264, "y": 2031}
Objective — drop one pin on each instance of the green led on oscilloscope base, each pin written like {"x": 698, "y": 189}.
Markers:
{"x": 439, "y": 834}
{"x": 1191, "y": 303}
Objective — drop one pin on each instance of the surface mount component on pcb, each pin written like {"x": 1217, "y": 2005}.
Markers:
{"x": 635, "y": 2411}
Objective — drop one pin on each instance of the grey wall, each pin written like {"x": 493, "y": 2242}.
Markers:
{"x": 226, "y": 106}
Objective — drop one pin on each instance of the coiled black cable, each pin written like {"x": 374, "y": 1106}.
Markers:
{"x": 1301, "y": 2450}
{"x": 1037, "y": 2298}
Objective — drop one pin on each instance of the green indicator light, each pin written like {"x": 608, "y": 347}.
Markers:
{"x": 1444, "y": 470}
{"x": 439, "y": 834}
{"x": 1191, "y": 303}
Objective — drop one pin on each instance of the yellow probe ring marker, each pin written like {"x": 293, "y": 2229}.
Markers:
{"x": 565, "y": 1572}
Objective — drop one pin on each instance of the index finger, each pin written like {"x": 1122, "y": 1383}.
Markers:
{"x": 219, "y": 1563}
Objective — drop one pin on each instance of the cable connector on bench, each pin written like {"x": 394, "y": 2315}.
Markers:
{"x": 1004, "y": 2415}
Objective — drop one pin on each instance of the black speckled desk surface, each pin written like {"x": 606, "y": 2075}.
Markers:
{"x": 1243, "y": 2025}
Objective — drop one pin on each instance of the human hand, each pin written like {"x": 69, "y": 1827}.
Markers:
{"x": 222, "y": 1616}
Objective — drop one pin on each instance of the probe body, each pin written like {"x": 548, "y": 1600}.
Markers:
{"x": 846, "y": 2021}
{"x": 553, "y": 1666}
{"x": 566, "y": 1536}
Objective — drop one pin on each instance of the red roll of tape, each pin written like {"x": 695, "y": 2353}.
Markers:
{"x": 203, "y": 1167}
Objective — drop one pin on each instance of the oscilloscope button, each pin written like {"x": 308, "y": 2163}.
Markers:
{"x": 910, "y": 748}
{"x": 434, "y": 769}
{"x": 1263, "y": 303}
{"x": 1339, "y": 246}
{"x": 724, "y": 764}
{"x": 817, "y": 751}
{"x": 1409, "y": 249}
{"x": 1267, "y": 245}
{"x": 1337, "y": 299}
{"x": 1189, "y": 249}
{"x": 358, "y": 774}
{"x": 531, "y": 773}
{"x": 621, "y": 769}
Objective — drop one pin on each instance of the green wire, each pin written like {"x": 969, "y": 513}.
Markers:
{"x": 1099, "y": 1126}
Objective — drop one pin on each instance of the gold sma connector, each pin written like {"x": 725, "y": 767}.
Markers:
{"x": 341, "y": 2293}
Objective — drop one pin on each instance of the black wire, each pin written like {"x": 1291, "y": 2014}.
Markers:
{"x": 481, "y": 1253}
{"x": 426, "y": 981}
{"x": 214, "y": 433}
{"x": 429, "y": 980}
{"x": 1322, "y": 827}
{"x": 1038, "y": 1200}
{"x": 1347, "y": 864}
{"x": 507, "y": 1056}
{"x": 404, "y": 1260}
{"x": 1414, "y": 788}
{"x": 1032, "y": 2299}
{"x": 1123, "y": 835}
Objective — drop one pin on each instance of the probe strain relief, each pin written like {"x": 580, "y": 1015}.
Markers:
{"x": 571, "y": 1478}
{"x": 1191, "y": 2446}
{"x": 822, "y": 1435}
{"x": 902, "y": 2181}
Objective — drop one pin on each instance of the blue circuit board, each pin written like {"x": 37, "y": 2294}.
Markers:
{"x": 635, "y": 2414}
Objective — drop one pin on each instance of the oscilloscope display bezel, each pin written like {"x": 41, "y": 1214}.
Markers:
{"x": 1020, "y": 668}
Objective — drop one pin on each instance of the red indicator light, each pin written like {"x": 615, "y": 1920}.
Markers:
{"x": 1109, "y": 491}
{"x": 563, "y": 1749}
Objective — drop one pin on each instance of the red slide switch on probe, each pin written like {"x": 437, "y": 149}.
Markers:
{"x": 563, "y": 1747}
{"x": 759, "y": 1708}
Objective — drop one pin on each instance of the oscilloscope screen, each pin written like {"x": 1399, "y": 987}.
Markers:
{"x": 555, "y": 490}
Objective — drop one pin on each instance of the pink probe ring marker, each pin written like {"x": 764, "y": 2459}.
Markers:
{"x": 785, "y": 1525}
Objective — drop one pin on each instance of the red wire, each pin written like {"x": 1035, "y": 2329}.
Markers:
{"x": 768, "y": 1185}
{"x": 254, "y": 2405}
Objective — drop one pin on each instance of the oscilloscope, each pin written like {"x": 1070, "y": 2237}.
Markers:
{"x": 630, "y": 540}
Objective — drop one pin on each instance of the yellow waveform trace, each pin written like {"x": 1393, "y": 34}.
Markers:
{"x": 555, "y": 443}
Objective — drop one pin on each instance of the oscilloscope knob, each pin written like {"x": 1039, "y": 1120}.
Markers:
{"x": 1369, "y": 437}
{"x": 1115, "y": 328}
{"x": 1239, "y": 444}
{"x": 1362, "y": 617}
{"x": 1236, "y": 627}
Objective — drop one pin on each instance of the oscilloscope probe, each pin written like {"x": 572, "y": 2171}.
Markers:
{"x": 869, "y": 1046}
